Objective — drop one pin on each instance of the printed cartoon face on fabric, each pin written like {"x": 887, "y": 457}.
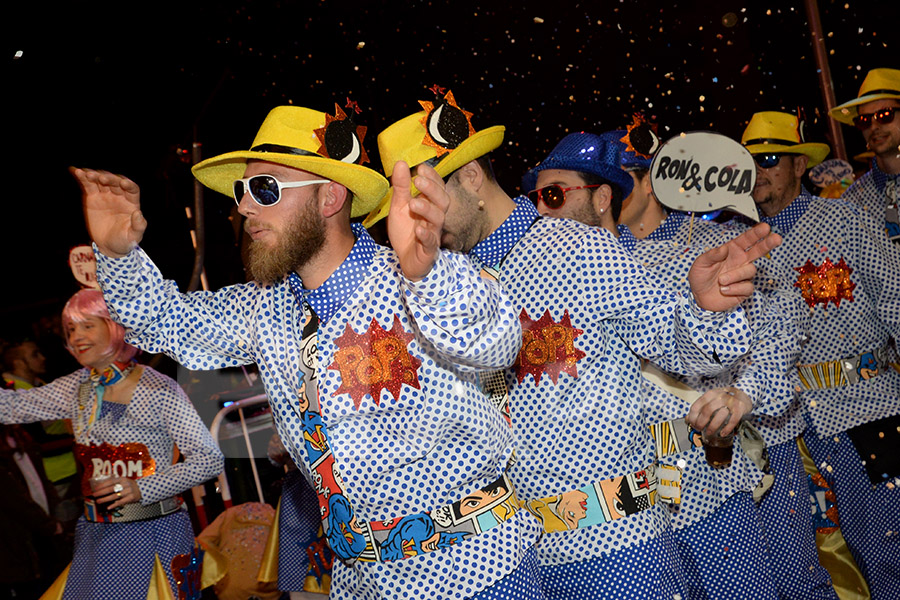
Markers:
{"x": 572, "y": 507}
{"x": 286, "y": 235}
{"x": 90, "y": 339}
{"x": 475, "y": 501}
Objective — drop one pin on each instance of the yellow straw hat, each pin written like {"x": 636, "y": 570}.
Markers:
{"x": 778, "y": 132}
{"x": 879, "y": 84}
{"x": 305, "y": 139}
{"x": 442, "y": 134}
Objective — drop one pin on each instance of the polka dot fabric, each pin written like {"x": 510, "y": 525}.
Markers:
{"x": 870, "y": 516}
{"x": 788, "y": 527}
{"x": 646, "y": 571}
{"x": 521, "y": 584}
{"x": 816, "y": 229}
{"x": 776, "y": 317}
{"x": 869, "y": 192}
{"x": 298, "y": 524}
{"x": 114, "y": 560}
{"x": 585, "y": 425}
{"x": 716, "y": 510}
{"x": 428, "y": 448}
{"x": 724, "y": 556}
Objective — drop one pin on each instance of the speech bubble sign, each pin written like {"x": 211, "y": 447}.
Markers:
{"x": 84, "y": 266}
{"x": 702, "y": 171}
{"x": 830, "y": 171}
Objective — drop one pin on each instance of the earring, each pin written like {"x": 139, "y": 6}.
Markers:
{"x": 602, "y": 210}
{"x": 481, "y": 205}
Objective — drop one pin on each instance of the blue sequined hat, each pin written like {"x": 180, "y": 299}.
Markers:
{"x": 587, "y": 153}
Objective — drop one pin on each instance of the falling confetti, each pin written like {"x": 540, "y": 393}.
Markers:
{"x": 589, "y": 67}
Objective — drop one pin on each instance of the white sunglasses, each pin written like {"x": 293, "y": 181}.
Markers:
{"x": 265, "y": 189}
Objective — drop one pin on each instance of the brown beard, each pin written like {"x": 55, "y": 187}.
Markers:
{"x": 302, "y": 239}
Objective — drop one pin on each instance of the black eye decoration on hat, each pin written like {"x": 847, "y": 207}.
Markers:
{"x": 641, "y": 138}
{"x": 446, "y": 124}
{"x": 341, "y": 138}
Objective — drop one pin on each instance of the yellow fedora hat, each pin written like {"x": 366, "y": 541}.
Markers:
{"x": 773, "y": 131}
{"x": 305, "y": 139}
{"x": 442, "y": 135}
{"x": 879, "y": 84}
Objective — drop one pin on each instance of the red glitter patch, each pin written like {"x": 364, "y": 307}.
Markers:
{"x": 548, "y": 347}
{"x": 375, "y": 360}
{"x": 126, "y": 460}
{"x": 826, "y": 283}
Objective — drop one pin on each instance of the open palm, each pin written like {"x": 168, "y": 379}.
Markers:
{"x": 112, "y": 210}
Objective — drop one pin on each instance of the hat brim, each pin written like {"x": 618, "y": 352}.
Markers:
{"x": 473, "y": 147}
{"x": 846, "y": 112}
{"x": 367, "y": 186}
{"x": 615, "y": 175}
{"x": 815, "y": 151}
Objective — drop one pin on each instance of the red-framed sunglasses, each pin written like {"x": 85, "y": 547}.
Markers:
{"x": 883, "y": 116}
{"x": 554, "y": 196}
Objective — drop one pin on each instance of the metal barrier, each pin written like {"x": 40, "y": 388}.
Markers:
{"x": 244, "y": 428}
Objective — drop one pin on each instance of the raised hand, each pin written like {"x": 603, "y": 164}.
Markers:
{"x": 112, "y": 210}
{"x": 722, "y": 278}
{"x": 415, "y": 224}
{"x": 719, "y": 411}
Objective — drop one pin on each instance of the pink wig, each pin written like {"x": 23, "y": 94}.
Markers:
{"x": 89, "y": 303}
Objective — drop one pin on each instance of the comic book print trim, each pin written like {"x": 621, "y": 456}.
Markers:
{"x": 597, "y": 503}
{"x": 846, "y": 371}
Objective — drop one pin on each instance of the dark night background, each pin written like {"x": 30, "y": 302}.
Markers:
{"x": 123, "y": 86}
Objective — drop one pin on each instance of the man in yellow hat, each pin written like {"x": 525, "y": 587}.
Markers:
{"x": 584, "y": 455}
{"x": 369, "y": 355}
{"x": 875, "y": 113}
{"x": 845, "y": 373}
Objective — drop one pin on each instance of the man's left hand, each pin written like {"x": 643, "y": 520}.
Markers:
{"x": 722, "y": 278}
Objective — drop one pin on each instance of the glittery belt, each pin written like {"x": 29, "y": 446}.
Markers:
{"x": 130, "y": 512}
{"x": 846, "y": 371}
{"x": 597, "y": 503}
{"x": 421, "y": 533}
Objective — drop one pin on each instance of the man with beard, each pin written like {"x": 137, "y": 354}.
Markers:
{"x": 587, "y": 315}
{"x": 850, "y": 279}
{"x": 731, "y": 507}
{"x": 401, "y": 336}
{"x": 874, "y": 112}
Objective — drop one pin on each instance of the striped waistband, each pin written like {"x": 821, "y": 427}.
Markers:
{"x": 597, "y": 503}
{"x": 846, "y": 371}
